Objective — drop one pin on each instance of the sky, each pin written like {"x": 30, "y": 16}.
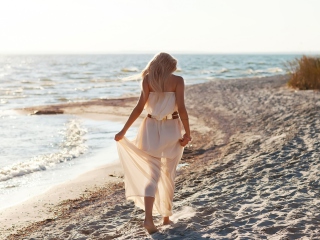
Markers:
{"x": 148, "y": 26}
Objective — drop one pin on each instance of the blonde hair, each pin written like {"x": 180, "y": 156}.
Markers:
{"x": 158, "y": 70}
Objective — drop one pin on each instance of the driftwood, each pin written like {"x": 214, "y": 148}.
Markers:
{"x": 47, "y": 112}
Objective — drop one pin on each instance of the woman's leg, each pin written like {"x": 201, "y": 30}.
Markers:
{"x": 166, "y": 220}
{"x": 150, "y": 190}
{"x": 167, "y": 185}
{"x": 148, "y": 220}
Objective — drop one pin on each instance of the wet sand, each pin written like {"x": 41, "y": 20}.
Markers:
{"x": 251, "y": 172}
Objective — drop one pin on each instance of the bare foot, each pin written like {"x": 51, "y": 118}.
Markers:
{"x": 151, "y": 228}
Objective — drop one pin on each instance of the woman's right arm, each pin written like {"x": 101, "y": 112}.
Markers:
{"x": 182, "y": 110}
{"x": 136, "y": 111}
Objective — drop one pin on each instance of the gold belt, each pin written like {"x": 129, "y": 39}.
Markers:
{"x": 174, "y": 115}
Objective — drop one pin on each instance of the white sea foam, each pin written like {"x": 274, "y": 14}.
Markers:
{"x": 268, "y": 70}
{"x": 130, "y": 69}
{"x": 211, "y": 78}
{"x": 205, "y": 71}
{"x": 9, "y": 112}
{"x": 274, "y": 70}
{"x": 72, "y": 146}
{"x": 250, "y": 71}
{"x": 223, "y": 70}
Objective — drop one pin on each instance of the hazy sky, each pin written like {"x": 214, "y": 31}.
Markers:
{"x": 212, "y": 26}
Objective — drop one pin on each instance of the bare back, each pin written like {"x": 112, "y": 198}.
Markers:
{"x": 171, "y": 85}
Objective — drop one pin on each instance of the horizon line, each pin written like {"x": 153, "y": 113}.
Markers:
{"x": 154, "y": 52}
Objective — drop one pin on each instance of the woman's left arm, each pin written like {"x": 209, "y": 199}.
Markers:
{"x": 136, "y": 111}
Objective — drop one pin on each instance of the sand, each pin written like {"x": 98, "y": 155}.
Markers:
{"x": 251, "y": 172}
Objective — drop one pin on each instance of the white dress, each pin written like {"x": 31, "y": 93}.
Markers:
{"x": 149, "y": 161}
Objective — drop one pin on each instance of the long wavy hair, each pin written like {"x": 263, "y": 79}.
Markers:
{"x": 158, "y": 70}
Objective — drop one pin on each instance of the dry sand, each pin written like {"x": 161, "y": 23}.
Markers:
{"x": 252, "y": 173}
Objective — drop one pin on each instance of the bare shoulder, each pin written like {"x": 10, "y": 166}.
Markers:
{"x": 145, "y": 83}
{"x": 145, "y": 79}
{"x": 178, "y": 80}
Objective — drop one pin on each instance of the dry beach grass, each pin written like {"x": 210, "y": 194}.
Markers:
{"x": 305, "y": 73}
{"x": 253, "y": 172}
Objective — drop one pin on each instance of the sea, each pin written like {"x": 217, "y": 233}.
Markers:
{"x": 41, "y": 151}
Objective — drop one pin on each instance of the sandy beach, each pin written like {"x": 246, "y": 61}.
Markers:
{"x": 251, "y": 172}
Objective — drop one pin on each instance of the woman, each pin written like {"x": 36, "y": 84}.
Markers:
{"x": 150, "y": 161}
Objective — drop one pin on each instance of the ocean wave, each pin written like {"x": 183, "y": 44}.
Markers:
{"x": 72, "y": 146}
{"x": 205, "y": 72}
{"x": 211, "y": 78}
{"x": 28, "y": 82}
{"x": 9, "y": 90}
{"x": 223, "y": 70}
{"x": 101, "y": 80}
{"x": 268, "y": 70}
{"x": 274, "y": 70}
{"x": 46, "y": 80}
{"x": 68, "y": 73}
{"x": 14, "y": 96}
{"x": 130, "y": 69}
{"x": 48, "y": 84}
{"x": 135, "y": 77}
{"x": 256, "y": 63}
{"x": 85, "y": 89}
{"x": 33, "y": 88}
{"x": 62, "y": 99}
{"x": 9, "y": 113}
{"x": 2, "y": 101}
{"x": 250, "y": 71}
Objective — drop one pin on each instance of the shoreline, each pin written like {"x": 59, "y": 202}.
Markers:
{"x": 22, "y": 214}
{"x": 41, "y": 207}
{"x": 247, "y": 149}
